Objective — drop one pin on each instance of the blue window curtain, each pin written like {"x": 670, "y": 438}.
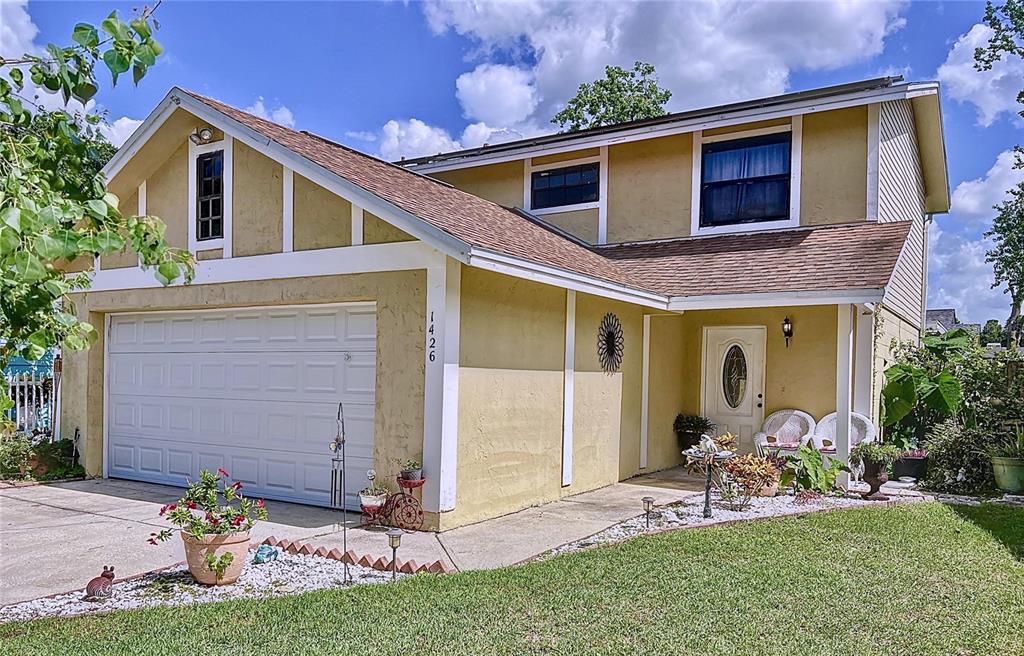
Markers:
{"x": 746, "y": 180}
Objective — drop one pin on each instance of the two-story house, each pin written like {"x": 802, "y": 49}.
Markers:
{"x": 528, "y": 318}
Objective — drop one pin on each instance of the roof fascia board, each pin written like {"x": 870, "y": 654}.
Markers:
{"x": 775, "y": 299}
{"x": 521, "y": 268}
{"x": 686, "y": 125}
{"x": 139, "y": 137}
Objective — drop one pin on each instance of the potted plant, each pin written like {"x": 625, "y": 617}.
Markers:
{"x": 912, "y": 463}
{"x": 1008, "y": 463}
{"x": 690, "y": 428}
{"x": 411, "y": 469}
{"x": 373, "y": 496}
{"x": 214, "y": 519}
{"x": 876, "y": 459}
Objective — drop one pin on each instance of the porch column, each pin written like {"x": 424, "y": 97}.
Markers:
{"x": 864, "y": 358}
{"x": 844, "y": 384}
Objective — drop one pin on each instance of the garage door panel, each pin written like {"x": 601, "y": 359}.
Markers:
{"x": 335, "y": 328}
{"x": 252, "y": 391}
{"x": 308, "y": 376}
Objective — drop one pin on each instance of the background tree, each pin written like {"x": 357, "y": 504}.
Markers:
{"x": 992, "y": 333}
{"x": 620, "y": 97}
{"x": 1007, "y": 257}
{"x": 54, "y": 206}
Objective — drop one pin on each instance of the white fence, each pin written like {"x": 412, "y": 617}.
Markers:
{"x": 33, "y": 401}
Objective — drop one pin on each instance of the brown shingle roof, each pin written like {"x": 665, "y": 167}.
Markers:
{"x": 849, "y": 256}
{"x": 852, "y": 256}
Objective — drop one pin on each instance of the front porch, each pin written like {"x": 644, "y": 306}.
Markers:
{"x": 736, "y": 367}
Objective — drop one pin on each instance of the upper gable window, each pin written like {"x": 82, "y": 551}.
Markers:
{"x": 570, "y": 185}
{"x": 745, "y": 180}
{"x": 210, "y": 196}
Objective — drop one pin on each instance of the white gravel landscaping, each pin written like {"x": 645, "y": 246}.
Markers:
{"x": 289, "y": 574}
{"x": 690, "y": 513}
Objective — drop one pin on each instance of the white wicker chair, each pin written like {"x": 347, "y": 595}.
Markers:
{"x": 861, "y": 430}
{"x": 787, "y": 429}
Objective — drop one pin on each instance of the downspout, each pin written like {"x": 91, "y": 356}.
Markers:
{"x": 929, "y": 217}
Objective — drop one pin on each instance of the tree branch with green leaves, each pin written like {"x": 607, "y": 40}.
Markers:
{"x": 620, "y": 97}
{"x": 54, "y": 205}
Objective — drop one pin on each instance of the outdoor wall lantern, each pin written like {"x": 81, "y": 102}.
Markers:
{"x": 648, "y": 505}
{"x": 787, "y": 330}
{"x": 394, "y": 540}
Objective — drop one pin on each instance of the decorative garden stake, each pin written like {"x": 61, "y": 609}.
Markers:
{"x": 648, "y": 504}
{"x": 707, "y": 454}
{"x": 394, "y": 540}
{"x": 101, "y": 587}
{"x": 338, "y": 490}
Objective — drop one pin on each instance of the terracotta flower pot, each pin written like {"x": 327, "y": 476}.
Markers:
{"x": 875, "y": 476}
{"x": 769, "y": 490}
{"x": 196, "y": 551}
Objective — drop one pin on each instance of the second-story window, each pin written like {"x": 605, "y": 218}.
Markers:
{"x": 570, "y": 185}
{"x": 210, "y": 196}
{"x": 745, "y": 181}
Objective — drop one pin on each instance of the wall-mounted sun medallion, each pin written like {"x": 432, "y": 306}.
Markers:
{"x": 610, "y": 343}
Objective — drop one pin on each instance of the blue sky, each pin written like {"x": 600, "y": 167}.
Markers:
{"x": 416, "y": 78}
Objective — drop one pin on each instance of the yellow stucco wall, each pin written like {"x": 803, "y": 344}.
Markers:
{"x": 581, "y": 223}
{"x": 511, "y": 354}
{"x": 257, "y": 194}
{"x": 802, "y": 376}
{"x": 666, "y": 390}
{"x": 501, "y": 183}
{"x": 649, "y": 189}
{"x": 565, "y": 157}
{"x": 834, "y": 167}
{"x": 378, "y": 231}
{"x": 167, "y": 196}
{"x": 320, "y": 219}
{"x": 401, "y": 302}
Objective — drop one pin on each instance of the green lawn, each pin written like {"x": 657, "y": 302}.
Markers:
{"x": 920, "y": 579}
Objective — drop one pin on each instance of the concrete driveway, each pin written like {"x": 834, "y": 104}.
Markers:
{"x": 54, "y": 538}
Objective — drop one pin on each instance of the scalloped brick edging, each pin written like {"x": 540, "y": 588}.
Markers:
{"x": 381, "y": 563}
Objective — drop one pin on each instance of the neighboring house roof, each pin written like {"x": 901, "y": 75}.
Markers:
{"x": 850, "y": 262}
{"x": 943, "y": 320}
{"x": 848, "y": 256}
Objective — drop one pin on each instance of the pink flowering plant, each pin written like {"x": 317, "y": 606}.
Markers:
{"x": 211, "y": 506}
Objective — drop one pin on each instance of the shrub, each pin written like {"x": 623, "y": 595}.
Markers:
{"x": 1009, "y": 447}
{"x": 745, "y": 476}
{"x": 807, "y": 470}
{"x": 875, "y": 453}
{"x": 958, "y": 459}
{"x": 15, "y": 452}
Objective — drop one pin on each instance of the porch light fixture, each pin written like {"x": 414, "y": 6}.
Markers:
{"x": 648, "y": 505}
{"x": 394, "y": 541}
{"x": 787, "y": 330}
{"x": 201, "y": 136}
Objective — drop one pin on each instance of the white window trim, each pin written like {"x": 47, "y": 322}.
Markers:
{"x": 601, "y": 204}
{"x": 194, "y": 151}
{"x": 699, "y": 139}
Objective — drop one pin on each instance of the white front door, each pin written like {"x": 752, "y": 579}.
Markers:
{"x": 253, "y": 391}
{"x": 733, "y": 386}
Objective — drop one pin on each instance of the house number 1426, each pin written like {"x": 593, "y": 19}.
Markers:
{"x": 431, "y": 340}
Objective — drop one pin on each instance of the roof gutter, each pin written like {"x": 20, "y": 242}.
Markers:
{"x": 776, "y": 299}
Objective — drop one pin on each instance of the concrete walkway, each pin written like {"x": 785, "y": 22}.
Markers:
{"x": 54, "y": 538}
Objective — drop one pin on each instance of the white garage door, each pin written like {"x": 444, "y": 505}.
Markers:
{"x": 252, "y": 391}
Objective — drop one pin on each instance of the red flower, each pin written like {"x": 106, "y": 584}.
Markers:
{"x": 237, "y": 485}
{"x": 260, "y": 503}
{"x": 152, "y": 541}
{"x": 237, "y": 521}
{"x": 190, "y": 504}
{"x": 221, "y": 472}
{"x": 165, "y": 509}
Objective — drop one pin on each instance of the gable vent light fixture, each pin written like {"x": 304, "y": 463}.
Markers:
{"x": 787, "y": 330}
{"x": 201, "y": 136}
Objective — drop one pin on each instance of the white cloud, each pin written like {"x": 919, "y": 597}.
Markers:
{"x": 360, "y": 135}
{"x": 280, "y": 114}
{"x": 705, "y": 53}
{"x": 973, "y": 199}
{"x": 119, "y": 131}
{"x": 992, "y": 92}
{"x": 960, "y": 278}
{"x": 497, "y": 94}
{"x": 17, "y": 31}
{"x": 413, "y": 138}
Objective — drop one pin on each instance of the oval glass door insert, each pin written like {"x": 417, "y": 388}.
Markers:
{"x": 734, "y": 376}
